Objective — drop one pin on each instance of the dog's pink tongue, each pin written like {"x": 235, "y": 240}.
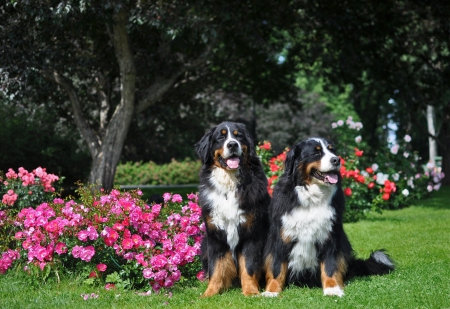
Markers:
{"x": 331, "y": 178}
{"x": 233, "y": 162}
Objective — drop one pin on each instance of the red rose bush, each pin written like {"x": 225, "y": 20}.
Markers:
{"x": 388, "y": 181}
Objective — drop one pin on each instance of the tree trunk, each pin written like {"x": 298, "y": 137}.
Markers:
{"x": 105, "y": 160}
{"x": 432, "y": 144}
{"x": 106, "y": 146}
{"x": 445, "y": 138}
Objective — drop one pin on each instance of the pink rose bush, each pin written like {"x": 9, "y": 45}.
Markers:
{"x": 115, "y": 235}
{"x": 24, "y": 189}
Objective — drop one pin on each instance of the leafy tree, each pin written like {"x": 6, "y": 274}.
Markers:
{"x": 105, "y": 62}
{"x": 395, "y": 50}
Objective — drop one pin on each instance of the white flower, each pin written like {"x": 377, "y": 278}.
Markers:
{"x": 406, "y": 154}
{"x": 405, "y": 192}
{"x": 374, "y": 167}
{"x": 358, "y": 125}
{"x": 395, "y": 177}
{"x": 430, "y": 188}
{"x": 381, "y": 178}
{"x": 340, "y": 123}
{"x": 410, "y": 182}
{"x": 334, "y": 125}
{"x": 358, "y": 139}
{"x": 407, "y": 138}
{"x": 394, "y": 149}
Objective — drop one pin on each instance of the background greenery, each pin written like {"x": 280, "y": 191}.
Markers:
{"x": 416, "y": 238}
{"x": 284, "y": 68}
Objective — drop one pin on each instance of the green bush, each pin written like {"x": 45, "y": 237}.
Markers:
{"x": 150, "y": 173}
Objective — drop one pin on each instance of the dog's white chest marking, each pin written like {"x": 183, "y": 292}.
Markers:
{"x": 308, "y": 224}
{"x": 225, "y": 212}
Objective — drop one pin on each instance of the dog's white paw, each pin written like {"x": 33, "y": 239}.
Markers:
{"x": 269, "y": 294}
{"x": 334, "y": 291}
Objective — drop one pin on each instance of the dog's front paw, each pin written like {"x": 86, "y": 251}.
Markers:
{"x": 334, "y": 291}
{"x": 269, "y": 294}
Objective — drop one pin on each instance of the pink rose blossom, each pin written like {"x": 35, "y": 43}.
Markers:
{"x": 87, "y": 253}
{"x": 101, "y": 267}
{"x": 76, "y": 251}
{"x": 158, "y": 261}
{"x": 176, "y": 198}
{"x": 110, "y": 286}
{"x": 147, "y": 273}
{"x": 83, "y": 235}
{"x": 127, "y": 243}
{"x": 167, "y": 196}
{"x": 61, "y": 248}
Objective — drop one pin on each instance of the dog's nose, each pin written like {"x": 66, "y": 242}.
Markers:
{"x": 335, "y": 161}
{"x": 232, "y": 145}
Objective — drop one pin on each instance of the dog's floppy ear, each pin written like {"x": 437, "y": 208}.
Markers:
{"x": 203, "y": 147}
{"x": 291, "y": 156}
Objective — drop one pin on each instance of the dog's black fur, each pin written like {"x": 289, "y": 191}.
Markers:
{"x": 234, "y": 200}
{"x": 307, "y": 244}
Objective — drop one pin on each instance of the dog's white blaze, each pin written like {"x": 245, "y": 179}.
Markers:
{"x": 325, "y": 162}
{"x": 226, "y": 152}
{"x": 334, "y": 291}
{"x": 225, "y": 212}
{"x": 308, "y": 224}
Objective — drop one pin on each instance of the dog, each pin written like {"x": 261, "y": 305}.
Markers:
{"x": 234, "y": 200}
{"x": 307, "y": 244}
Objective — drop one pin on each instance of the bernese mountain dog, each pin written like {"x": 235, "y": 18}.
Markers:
{"x": 307, "y": 244}
{"x": 234, "y": 200}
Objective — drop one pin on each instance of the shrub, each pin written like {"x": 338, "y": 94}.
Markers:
{"x": 273, "y": 165}
{"x": 150, "y": 173}
{"x": 112, "y": 239}
{"x": 20, "y": 190}
{"x": 391, "y": 181}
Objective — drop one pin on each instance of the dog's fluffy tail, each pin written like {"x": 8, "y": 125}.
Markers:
{"x": 379, "y": 263}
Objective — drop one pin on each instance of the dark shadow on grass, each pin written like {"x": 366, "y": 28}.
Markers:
{"x": 382, "y": 219}
{"x": 438, "y": 199}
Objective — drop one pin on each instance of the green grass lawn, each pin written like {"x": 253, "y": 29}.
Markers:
{"x": 417, "y": 238}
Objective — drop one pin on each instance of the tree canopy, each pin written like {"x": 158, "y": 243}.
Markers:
{"x": 147, "y": 75}
{"x": 107, "y": 61}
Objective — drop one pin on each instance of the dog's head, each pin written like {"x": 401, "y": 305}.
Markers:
{"x": 226, "y": 146}
{"x": 313, "y": 161}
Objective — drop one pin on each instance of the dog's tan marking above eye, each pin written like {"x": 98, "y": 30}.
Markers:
{"x": 235, "y": 132}
{"x": 224, "y": 132}
{"x": 330, "y": 147}
{"x": 318, "y": 147}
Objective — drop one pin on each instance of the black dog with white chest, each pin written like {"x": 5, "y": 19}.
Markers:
{"x": 234, "y": 200}
{"x": 307, "y": 244}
